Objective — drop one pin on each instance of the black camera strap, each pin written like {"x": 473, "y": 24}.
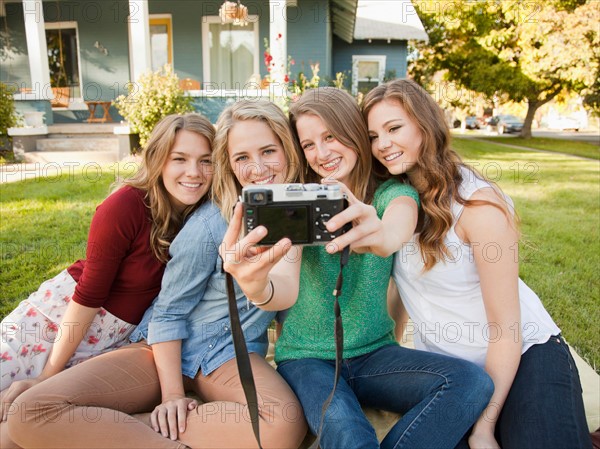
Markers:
{"x": 339, "y": 337}
{"x": 243, "y": 359}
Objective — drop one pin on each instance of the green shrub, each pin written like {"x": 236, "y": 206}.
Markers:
{"x": 8, "y": 113}
{"x": 154, "y": 96}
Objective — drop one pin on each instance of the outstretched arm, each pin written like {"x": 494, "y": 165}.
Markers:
{"x": 381, "y": 237}
{"x": 268, "y": 276}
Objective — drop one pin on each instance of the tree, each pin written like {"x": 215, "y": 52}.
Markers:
{"x": 516, "y": 50}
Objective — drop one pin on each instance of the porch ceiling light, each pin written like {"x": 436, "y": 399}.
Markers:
{"x": 235, "y": 13}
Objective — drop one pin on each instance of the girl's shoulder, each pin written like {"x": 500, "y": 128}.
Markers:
{"x": 125, "y": 196}
{"x": 205, "y": 224}
{"x": 126, "y": 206}
{"x": 391, "y": 189}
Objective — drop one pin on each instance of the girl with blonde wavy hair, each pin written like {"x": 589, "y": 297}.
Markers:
{"x": 459, "y": 280}
{"x": 253, "y": 144}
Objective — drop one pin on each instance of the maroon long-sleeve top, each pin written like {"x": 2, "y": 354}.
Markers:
{"x": 120, "y": 272}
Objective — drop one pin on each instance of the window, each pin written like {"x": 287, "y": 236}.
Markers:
{"x": 63, "y": 61}
{"x": 367, "y": 72}
{"x": 161, "y": 41}
{"x": 230, "y": 53}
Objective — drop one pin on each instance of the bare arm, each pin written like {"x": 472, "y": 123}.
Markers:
{"x": 370, "y": 234}
{"x": 170, "y": 416}
{"x": 494, "y": 240}
{"x": 73, "y": 327}
{"x": 254, "y": 268}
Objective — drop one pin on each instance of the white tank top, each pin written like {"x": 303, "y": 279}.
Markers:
{"x": 445, "y": 303}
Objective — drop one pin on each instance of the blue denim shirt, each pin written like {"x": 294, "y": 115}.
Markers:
{"x": 192, "y": 303}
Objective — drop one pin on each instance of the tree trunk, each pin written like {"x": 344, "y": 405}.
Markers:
{"x": 532, "y": 106}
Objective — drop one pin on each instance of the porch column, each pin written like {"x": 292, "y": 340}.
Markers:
{"x": 35, "y": 34}
{"x": 278, "y": 40}
{"x": 139, "y": 38}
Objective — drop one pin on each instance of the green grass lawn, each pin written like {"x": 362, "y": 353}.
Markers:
{"x": 44, "y": 224}
{"x": 577, "y": 148}
{"x": 558, "y": 200}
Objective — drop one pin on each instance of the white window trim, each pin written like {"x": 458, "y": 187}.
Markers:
{"x": 206, "y": 21}
{"x": 75, "y": 102}
{"x": 381, "y": 59}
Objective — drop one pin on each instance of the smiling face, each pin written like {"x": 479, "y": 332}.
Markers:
{"x": 324, "y": 153}
{"x": 187, "y": 173}
{"x": 395, "y": 137}
{"x": 256, "y": 154}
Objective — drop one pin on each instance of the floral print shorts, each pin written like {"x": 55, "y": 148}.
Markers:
{"x": 29, "y": 332}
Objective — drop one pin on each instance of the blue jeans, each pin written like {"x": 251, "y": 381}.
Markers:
{"x": 440, "y": 397}
{"x": 544, "y": 408}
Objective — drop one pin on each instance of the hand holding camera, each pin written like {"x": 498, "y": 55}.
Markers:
{"x": 312, "y": 214}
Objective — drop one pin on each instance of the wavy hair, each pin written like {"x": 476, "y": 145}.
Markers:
{"x": 436, "y": 174}
{"x": 166, "y": 220}
{"x": 226, "y": 187}
{"x": 341, "y": 115}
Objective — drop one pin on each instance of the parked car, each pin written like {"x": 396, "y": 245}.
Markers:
{"x": 504, "y": 124}
{"x": 563, "y": 122}
{"x": 471, "y": 122}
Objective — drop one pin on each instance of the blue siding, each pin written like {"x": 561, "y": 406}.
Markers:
{"x": 103, "y": 76}
{"x": 14, "y": 64}
{"x": 396, "y": 52}
{"x": 309, "y": 40}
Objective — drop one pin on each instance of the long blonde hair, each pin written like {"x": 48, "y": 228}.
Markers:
{"x": 166, "y": 220}
{"x": 436, "y": 174}
{"x": 341, "y": 115}
{"x": 226, "y": 187}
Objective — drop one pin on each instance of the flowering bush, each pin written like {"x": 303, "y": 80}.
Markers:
{"x": 270, "y": 65}
{"x": 154, "y": 96}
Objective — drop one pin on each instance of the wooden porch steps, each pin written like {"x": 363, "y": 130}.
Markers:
{"x": 79, "y": 142}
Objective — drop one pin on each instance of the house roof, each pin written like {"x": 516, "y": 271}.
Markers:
{"x": 343, "y": 17}
{"x": 387, "y": 19}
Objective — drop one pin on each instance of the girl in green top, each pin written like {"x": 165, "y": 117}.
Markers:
{"x": 439, "y": 397}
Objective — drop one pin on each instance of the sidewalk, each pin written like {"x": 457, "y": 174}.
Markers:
{"x": 40, "y": 170}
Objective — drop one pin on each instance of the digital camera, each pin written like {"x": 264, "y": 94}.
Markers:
{"x": 296, "y": 211}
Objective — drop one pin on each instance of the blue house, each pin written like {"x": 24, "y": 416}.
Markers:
{"x": 63, "y": 54}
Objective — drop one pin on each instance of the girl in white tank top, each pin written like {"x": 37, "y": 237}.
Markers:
{"x": 458, "y": 280}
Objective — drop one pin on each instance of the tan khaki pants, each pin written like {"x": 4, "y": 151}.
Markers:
{"x": 91, "y": 406}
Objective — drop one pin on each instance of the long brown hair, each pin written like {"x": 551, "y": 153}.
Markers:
{"x": 436, "y": 174}
{"x": 166, "y": 220}
{"x": 341, "y": 115}
{"x": 226, "y": 188}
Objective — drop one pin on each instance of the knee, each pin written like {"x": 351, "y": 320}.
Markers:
{"x": 284, "y": 427}
{"x": 30, "y": 413}
{"x": 479, "y": 385}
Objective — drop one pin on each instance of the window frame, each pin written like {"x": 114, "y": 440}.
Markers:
{"x": 163, "y": 19}
{"x": 206, "y": 22}
{"x": 356, "y": 59}
{"x": 63, "y": 26}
